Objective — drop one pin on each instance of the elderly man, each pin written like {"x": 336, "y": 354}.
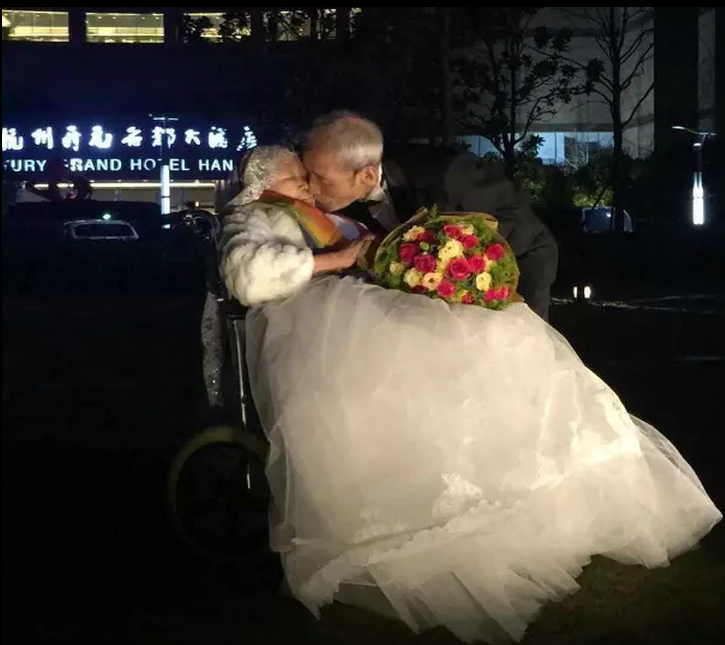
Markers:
{"x": 343, "y": 154}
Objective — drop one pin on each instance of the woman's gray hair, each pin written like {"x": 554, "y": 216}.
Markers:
{"x": 257, "y": 172}
{"x": 356, "y": 141}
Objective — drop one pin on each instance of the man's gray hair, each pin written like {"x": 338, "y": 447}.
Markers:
{"x": 357, "y": 141}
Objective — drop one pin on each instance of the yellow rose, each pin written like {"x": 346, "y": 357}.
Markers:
{"x": 483, "y": 281}
{"x": 431, "y": 281}
{"x": 452, "y": 249}
{"x": 468, "y": 229}
{"x": 413, "y": 277}
{"x": 442, "y": 264}
{"x": 413, "y": 233}
{"x": 396, "y": 268}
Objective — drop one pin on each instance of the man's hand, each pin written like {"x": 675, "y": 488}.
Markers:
{"x": 350, "y": 254}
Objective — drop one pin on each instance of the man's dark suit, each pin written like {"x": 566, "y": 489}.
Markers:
{"x": 464, "y": 182}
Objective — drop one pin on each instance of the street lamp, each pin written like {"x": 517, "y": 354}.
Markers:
{"x": 698, "y": 191}
{"x": 165, "y": 170}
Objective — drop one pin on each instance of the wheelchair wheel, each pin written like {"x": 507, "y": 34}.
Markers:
{"x": 218, "y": 495}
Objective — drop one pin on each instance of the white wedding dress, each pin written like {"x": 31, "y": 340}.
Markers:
{"x": 451, "y": 465}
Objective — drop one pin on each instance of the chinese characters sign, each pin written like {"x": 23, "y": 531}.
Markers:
{"x": 128, "y": 150}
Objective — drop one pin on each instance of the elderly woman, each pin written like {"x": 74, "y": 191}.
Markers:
{"x": 274, "y": 238}
{"x": 273, "y": 242}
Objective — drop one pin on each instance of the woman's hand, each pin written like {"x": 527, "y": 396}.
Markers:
{"x": 342, "y": 259}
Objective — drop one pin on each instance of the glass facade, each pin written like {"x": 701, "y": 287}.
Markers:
{"x": 125, "y": 28}
{"x": 37, "y": 26}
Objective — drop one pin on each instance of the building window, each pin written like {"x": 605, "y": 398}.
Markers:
{"x": 582, "y": 147}
{"x": 215, "y": 27}
{"x": 327, "y": 24}
{"x": 287, "y": 25}
{"x": 125, "y": 27}
{"x": 301, "y": 24}
{"x": 307, "y": 23}
{"x": 38, "y": 26}
{"x": 574, "y": 149}
{"x": 355, "y": 13}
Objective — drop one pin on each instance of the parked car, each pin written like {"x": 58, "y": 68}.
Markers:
{"x": 573, "y": 219}
{"x": 93, "y": 245}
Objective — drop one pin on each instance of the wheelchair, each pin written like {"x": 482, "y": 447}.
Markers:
{"x": 217, "y": 494}
{"x": 217, "y": 488}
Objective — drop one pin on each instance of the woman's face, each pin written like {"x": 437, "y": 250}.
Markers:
{"x": 291, "y": 180}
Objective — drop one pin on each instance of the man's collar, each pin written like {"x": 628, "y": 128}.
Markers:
{"x": 377, "y": 194}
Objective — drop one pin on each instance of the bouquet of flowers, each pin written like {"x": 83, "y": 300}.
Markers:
{"x": 457, "y": 257}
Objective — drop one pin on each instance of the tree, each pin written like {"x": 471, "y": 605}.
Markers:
{"x": 402, "y": 48}
{"x": 624, "y": 37}
{"x": 312, "y": 23}
{"x": 193, "y": 28}
{"x": 235, "y": 27}
{"x": 411, "y": 98}
{"x": 512, "y": 76}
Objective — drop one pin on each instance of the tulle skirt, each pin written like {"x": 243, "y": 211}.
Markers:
{"x": 450, "y": 465}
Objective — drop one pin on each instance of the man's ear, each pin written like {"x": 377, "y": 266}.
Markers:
{"x": 370, "y": 176}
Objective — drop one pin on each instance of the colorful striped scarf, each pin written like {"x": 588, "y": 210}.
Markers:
{"x": 318, "y": 228}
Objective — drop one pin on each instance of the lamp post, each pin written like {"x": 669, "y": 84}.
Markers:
{"x": 698, "y": 191}
{"x": 165, "y": 181}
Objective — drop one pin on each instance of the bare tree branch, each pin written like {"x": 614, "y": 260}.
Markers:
{"x": 623, "y": 28}
{"x": 638, "y": 68}
{"x": 642, "y": 99}
{"x": 607, "y": 99}
{"x": 531, "y": 119}
{"x": 633, "y": 47}
{"x": 600, "y": 19}
{"x": 602, "y": 41}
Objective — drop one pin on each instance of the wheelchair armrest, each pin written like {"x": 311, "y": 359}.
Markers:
{"x": 233, "y": 309}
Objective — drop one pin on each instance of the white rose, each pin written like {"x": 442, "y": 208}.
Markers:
{"x": 413, "y": 277}
{"x": 483, "y": 281}
{"x": 413, "y": 233}
{"x": 432, "y": 280}
{"x": 452, "y": 249}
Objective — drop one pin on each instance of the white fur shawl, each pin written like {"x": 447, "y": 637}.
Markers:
{"x": 264, "y": 255}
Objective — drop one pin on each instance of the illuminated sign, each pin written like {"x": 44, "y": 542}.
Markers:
{"x": 131, "y": 150}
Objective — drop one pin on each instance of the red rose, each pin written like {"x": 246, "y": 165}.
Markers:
{"x": 496, "y": 294}
{"x": 458, "y": 269}
{"x": 467, "y": 299}
{"x": 476, "y": 263}
{"x": 408, "y": 252}
{"x": 469, "y": 241}
{"x": 427, "y": 236}
{"x": 425, "y": 263}
{"x": 446, "y": 289}
{"x": 454, "y": 232}
{"x": 495, "y": 252}
{"x": 419, "y": 288}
